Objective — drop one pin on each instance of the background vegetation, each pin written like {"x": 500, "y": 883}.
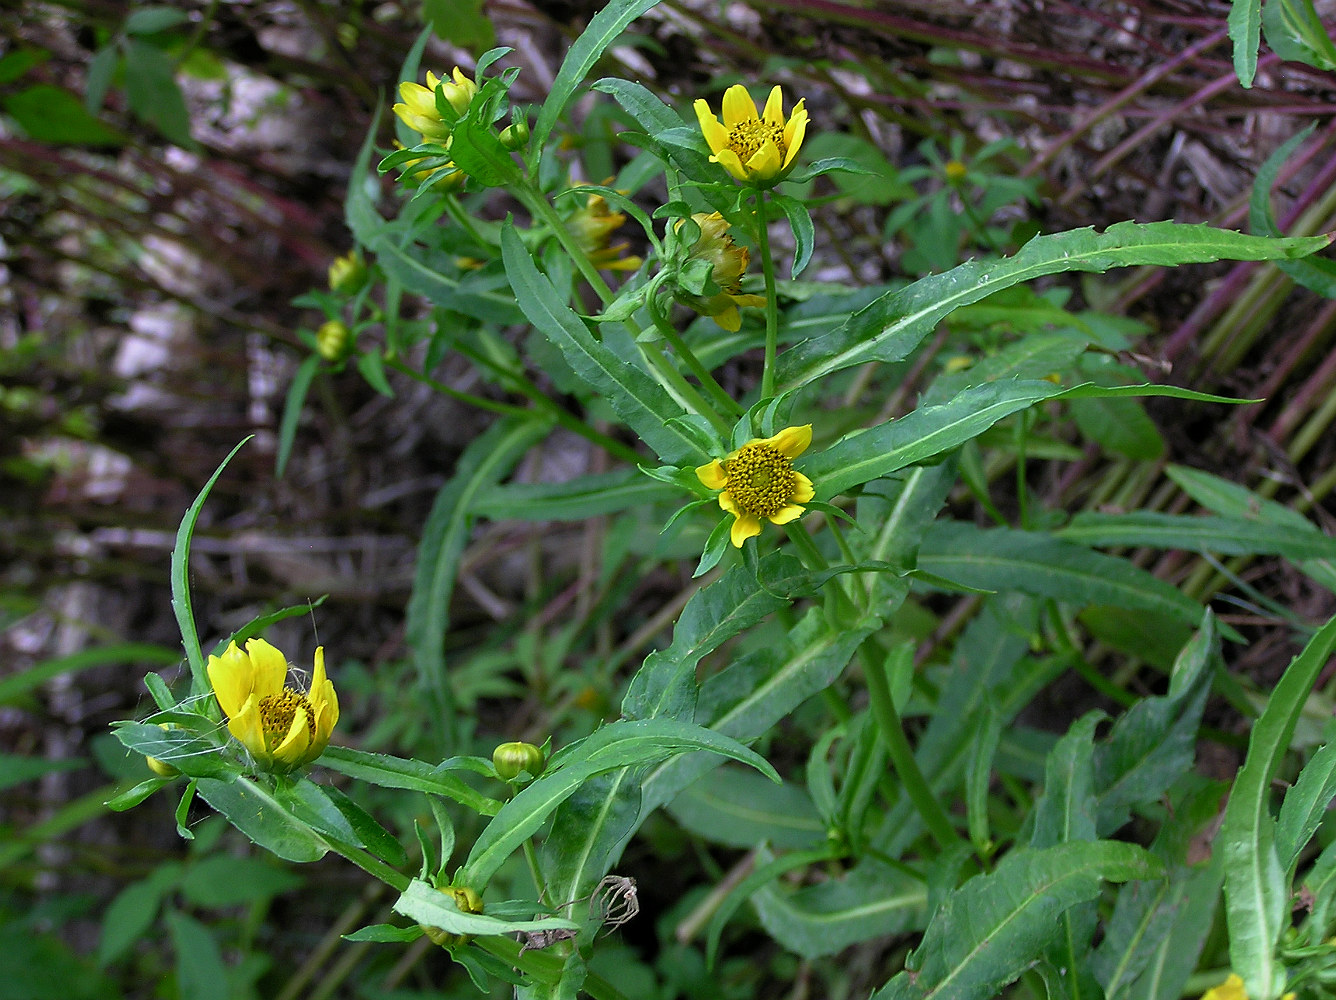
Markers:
{"x": 173, "y": 179}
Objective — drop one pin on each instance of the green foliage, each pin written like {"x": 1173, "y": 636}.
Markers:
{"x": 898, "y": 792}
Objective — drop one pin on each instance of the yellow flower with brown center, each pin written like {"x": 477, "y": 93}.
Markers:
{"x": 418, "y": 110}
{"x": 592, "y": 226}
{"x": 758, "y": 482}
{"x": 281, "y": 727}
{"x": 756, "y": 149}
{"x": 728, "y": 263}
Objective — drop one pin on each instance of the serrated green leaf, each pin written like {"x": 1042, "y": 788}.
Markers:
{"x": 574, "y": 500}
{"x": 742, "y": 809}
{"x": 254, "y": 810}
{"x": 604, "y": 28}
{"x": 1256, "y": 889}
{"x": 895, "y": 324}
{"x": 1317, "y": 274}
{"x": 987, "y": 932}
{"x": 396, "y": 772}
{"x": 180, "y": 576}
{"x": 1222, "y": 535}
{"x": 200, "y": 971}
{"x": 1005, "y": 559}
{"x": 444, "y": 535}
{"x": 154, "y": 96}
{"x": 869, "y": 901}
{"x": 647, "y": 409}
{"x": 620, "y": 745}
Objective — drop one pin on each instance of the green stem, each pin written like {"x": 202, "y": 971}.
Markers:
{"x": 546, "y": 407}
{"x": 725, "y": 402}
{"x": 902, "y": 755}
{"x": 525, "y": 386}
{"x": 373, "y": 866}
{"x": 771, "y": 302}
{"x": 531, "y": 857}
{"x": 685, "y": 393}
{"x": 544, "y": 966}
{"x": 672, "y": 379}
{"x": 883, "y": 711}
{"x": 461, "y": 218}
{"x": 542, "y": 211}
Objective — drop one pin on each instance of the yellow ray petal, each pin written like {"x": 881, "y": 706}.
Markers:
{"x": 746, "y": 526}
{"x": 271, "y": 667}
{"x": 232, "y": 677}
{"x": 716, "y": 135}
{"x": 765, "y": 162}
{"x": 712, "y": 475}
{"x": 791, "y": 441}
{"x": 738, "y": 105}
{"x": 786, "y": 514}
{"x": 802, "y": 488}
{"x": 292, "y": 750}
{"x": 774, "y": 107}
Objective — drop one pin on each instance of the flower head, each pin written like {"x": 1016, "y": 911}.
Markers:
{"x": 756, "y": 149}
{"x": 281, "y": 727}
{"x": 592, "y": 226}
{"x": 419, "y": 111}
{"x": 1233, "y": 989}
{"x": 758, "y": 482}
{"x": 347, "y": 273}
{"x": 334, "y": 341}
{"x": 728, "y": 263}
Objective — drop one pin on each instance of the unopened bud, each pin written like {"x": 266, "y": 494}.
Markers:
{"x": 346, "y": 273}
{"x": 512, "y": 759}
{"x": 334, "y": 341}
{"x": 516, "y": 135}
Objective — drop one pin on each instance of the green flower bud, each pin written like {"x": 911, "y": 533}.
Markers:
{"x": 516, "y": 135}
{"x": 334, "y": 341}
{"x": 347, "y": 273}
{"x": 511, "y": 759}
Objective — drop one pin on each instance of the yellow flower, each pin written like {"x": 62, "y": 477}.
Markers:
{"x": 728, "y": 263}
{"x": 1233, "y": 989}
{"x": 758, "y": 482}
{"x": 757, "y": 150}
{"x": 418, "y": 110}
{"x": 281, "y": 727}
{"x": 592, "y": 226}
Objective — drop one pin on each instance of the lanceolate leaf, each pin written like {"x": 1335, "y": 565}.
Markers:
{"x": 639, "y": 400}
{"x": 988, "y": 931}
{"x": 1245, "y": 31}
{"x": 604, "y": 27}
{"x": 624, "y": 744}
{"x": 930, "y": 431}
{"x": 892, "y": 326}
{"x": 1034, "y": 563}
{"x": 1256, "y": 889}
{"x": 1224, "y": 535}
{"x": 181, "y": 603}
{"x": 1315, "y": 273}
{"x": 483, "y": 463}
